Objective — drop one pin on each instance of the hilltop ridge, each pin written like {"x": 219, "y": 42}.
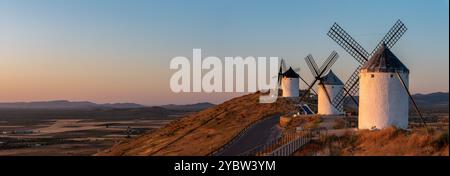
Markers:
{"x": 203, "y": 132}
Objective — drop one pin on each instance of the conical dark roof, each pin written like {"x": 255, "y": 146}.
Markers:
{"x": 384, "y": 61}
{"x": 290, "y": 73}
{"x": 331, "y": 79}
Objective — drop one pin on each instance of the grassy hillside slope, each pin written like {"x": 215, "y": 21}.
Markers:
{"x": 203, "y": 132}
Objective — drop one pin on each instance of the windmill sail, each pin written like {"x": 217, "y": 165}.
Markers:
{"x": 350, "y": 45}
{"x": 318, "y": 72}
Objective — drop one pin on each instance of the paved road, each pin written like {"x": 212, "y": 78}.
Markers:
{"x": 261, "y": 133}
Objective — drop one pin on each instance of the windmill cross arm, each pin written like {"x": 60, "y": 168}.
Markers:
{"x": 348, "y": 43}
{"x": 312, "y": 65}
{"x": 391, "y": 37}
{"x": 307, "y": 85}
{"x": 330, "y": 61}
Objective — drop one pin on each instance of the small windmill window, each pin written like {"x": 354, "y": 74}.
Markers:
{"x": 372, "y": 75}
{"x": 392, "y": 75}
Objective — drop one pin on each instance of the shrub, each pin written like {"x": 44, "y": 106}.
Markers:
{"x": 441, "y": 141}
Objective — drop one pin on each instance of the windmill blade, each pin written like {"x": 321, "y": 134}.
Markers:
{"x": 394, "y": 34}
{"x": 280, "y": 74}
{"x": 278, "y": 79}
{"x": 325, "y": 63}
{"x": 334, "y": 55}
{"x": 312, "y": 65}
{"x": 326, "y": 92}
{"x": 298, "y": 70}
{"x": 351, "y": 88}
{"x": 328, "y": 67}
{"x": 311, "y": 68}
{"x": 337, "y": 102}
{"x": 348, "y": 43}
{"x": 307, "y": 84}
{"x": 330, "y": 61}
{"x": 283, "y": 65}
{"x": 307, "y": 90}
{"x": 359, "y": 53}
{"x": 412, "y": 99}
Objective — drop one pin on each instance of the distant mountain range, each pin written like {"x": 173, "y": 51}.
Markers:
{"x": 438, "y": 98}
{"x": 73, "y": 105}
{"x": 64, "y": 104}
{"x": 433, "y": 100}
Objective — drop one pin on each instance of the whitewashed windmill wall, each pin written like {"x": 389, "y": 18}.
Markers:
{"x": 383, "y": 101}
{"x": 331, "y": 85}
{"x": 290, "y": 83}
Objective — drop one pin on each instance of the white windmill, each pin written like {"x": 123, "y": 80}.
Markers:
{"x": 383, "y": 100}
{"x": 290, "y": 83}
{"x": 329, "y": 85}
{"x": 383, "y": 80}
{"x": 288, "y": 80}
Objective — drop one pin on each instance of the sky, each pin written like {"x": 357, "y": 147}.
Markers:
{"x": 120, "y": 51}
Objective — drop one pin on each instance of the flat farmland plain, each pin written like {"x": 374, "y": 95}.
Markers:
{"x": 75, "y": 132}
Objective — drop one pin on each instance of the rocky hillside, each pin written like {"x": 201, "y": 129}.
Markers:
{"x": 202, "y": 132}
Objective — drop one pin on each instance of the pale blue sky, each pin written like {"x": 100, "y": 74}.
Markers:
{"x": 119, "y": 51}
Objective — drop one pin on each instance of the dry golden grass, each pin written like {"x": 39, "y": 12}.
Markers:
{"x": 203, "y": 132}
{"x": 395, "y": 142}
{"x": 306, "y": 121}
{"x": 386, "y": 142}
